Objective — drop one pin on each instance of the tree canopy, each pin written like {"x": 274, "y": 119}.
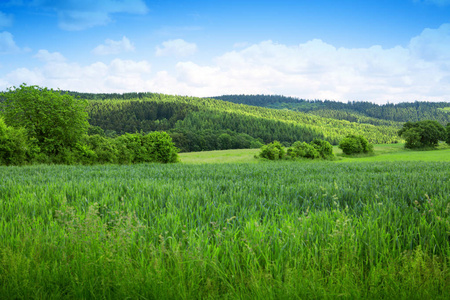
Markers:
{"x": 422, "y": 134}
{"x": 55, "y": 122}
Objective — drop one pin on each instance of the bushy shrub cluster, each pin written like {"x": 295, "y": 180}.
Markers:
{"x": 355, "y": 144}
{"x": 273, "y": 151}
{"x": 317, "y": 149}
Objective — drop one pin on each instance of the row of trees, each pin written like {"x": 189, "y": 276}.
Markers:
{"x": 38, "y": 125}
{"x": 317, "y": 149}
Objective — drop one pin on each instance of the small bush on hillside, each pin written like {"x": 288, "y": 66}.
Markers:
{"x": 272, "y": 151}
{"x": 355, "y": 144}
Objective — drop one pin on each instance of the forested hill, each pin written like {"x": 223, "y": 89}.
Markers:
{"x": 364, "y": 112}
{"x": 197, "y": 124}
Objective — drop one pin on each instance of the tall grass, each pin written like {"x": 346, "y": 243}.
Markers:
{"x": 249, "y": 231}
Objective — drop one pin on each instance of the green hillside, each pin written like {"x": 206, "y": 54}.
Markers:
{"x": 363, "y": 112}
{"x": 197, "y": 124}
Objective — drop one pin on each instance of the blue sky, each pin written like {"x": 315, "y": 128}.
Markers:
{"x": 368, "y": 50}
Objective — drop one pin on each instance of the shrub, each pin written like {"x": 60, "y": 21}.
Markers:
{"x": 325, "y": 149}
{"x": 355, "y": 144}
{"x": 272, "y": 151}
{"x": 153, "y": 147}
{"x": 303, "y": 149}
{"x": 104, "y": 149}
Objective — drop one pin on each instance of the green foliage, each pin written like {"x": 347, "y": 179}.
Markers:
{"x": 272, "y": 151}
{"x": 448, "y": 133}
{"x": 353, "y": 111}
{"x": 104, "y": 149}
{"x": 422, "y": 134}
{"x": 13, "y": 145}
{"x": 152, "y": 147}
{"x": 353, "y": 144}
{"x": 324, "y": 148}
{"x": 55, "y": 122}
{"x": 303, "y": 149}
{"x": 316, "y": 149}
{"x": 92, "y": 130}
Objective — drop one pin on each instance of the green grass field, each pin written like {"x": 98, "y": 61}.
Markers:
{"x": 199, "y": 230}
{"x": 385, "y": 152}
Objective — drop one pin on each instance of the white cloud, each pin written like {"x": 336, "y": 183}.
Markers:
{"x": 7, "y": 44}
{"x": 312, "y": 70}
{"x": 317, "y": 70}
{"x": 82, "y": 14}
{"x": 114, "y": 47}
{"x": 178, "y": 48}
{"x": 56, "y": 72}
{"x": 48, "y": 57}
{"x": 5, "y": 20}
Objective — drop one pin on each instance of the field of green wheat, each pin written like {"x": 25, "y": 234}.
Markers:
{"x": 270, "y": 230}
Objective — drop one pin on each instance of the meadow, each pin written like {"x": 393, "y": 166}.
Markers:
{"x": 348, "y": 228}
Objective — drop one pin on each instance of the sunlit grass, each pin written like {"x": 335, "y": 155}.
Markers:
{"x": 271, "y": 230}
{"x": 382, "y": 152}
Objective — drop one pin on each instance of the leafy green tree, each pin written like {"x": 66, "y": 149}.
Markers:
{"x": 13, "y": 145}
{"x": 355, "y": 144}
{"x": 272, "y": 151}
{"x": 55, "y": 122}
{"x": 422, "y": 134}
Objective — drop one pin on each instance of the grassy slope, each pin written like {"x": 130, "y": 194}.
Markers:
{"x": 390, "y": 152}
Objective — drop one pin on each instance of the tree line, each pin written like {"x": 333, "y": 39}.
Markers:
{"x": 354, "y": 111}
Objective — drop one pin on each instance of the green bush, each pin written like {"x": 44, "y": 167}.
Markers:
{"x": 303, "y": 149}
{"x": 355, "y": 144}
{"x": 104, "y": 149}
{"x": 272, "y": 151}
{"x": 153, "y": 147}
{"x": 325, "y": 149}
{"x": 316, "y": 149}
